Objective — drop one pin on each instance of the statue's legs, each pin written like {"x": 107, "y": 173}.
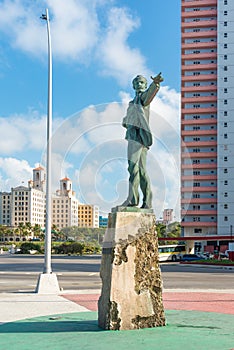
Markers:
{"x": 138, "y": 175}
{"x": 145, "y": 180}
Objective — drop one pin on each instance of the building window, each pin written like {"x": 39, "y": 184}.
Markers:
{"x": 225, "y": 24}
{"x": 225, "y": 46}
{"x": 225, "y": 194}
{"x": 225, "y": 90}
{"x": 225, "y": 171}
{"x": 196, "y": 218}
{"x": 225, "y": 57}
{"x": 225, "y": 13}
{"x": 225, "y": 102}
{"x": 225, "y": 79}
{"x": 225, "y": 2}
{"x": 197, "y": 230}
{"x": 225, "y": 206}
{"x": 225, "y": 68}
{"x": 225, "y": 218}
{"x": 226, "y": 182}
{"x": 225, "y": 113}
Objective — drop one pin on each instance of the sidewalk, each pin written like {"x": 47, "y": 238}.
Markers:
{"x": 195, "y": 320}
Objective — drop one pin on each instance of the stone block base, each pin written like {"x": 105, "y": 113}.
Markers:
{"x": 131, "y": 296}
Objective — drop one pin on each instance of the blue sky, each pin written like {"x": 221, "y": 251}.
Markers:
{"x": 98, "y": 47}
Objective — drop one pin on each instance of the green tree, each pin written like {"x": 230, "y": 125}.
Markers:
{"x": 37, "y": 231}
{"x": 173, "y": 230}
{"x": 161, "y": 230}
{"x": 3, "y": 231}
{"x": 22, "y": 229}
{"x": 28, "y": 228}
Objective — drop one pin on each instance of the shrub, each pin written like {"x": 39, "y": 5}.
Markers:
{"x": 76, "y": 248}
{"x": 27, "y": 246}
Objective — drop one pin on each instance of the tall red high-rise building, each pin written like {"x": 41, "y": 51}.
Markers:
{"x": 207, "y": 117}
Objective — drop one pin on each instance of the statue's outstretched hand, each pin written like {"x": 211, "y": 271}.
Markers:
{"x": 158, "y": 79}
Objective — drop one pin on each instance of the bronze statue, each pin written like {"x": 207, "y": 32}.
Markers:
{"x": 139, "y": 139}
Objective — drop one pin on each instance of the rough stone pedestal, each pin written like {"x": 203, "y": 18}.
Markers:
{"x": 131, "y": 296}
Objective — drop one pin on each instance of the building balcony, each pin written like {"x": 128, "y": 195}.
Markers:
{"x": 199, "y": 24}
{"x": 199, "y": 166}
{"x": 198, "y": 200}
{"x": 198, "y": 132}
{"x": 187, "y": 4}
{"x": 205, "y": 34}
{"x": 199, "y": 143}
{"x": 199, "y": 155}
{"x": 198, "y": 67}
{"x": 198, "y": 121}
{"x": 199, "y": 189}
{"x": 198, "y": 224}
{"x": 199, "y": 14}
{"x": 207, "y": 88}
{"x": 199, "y": 78}
{"x": 199, "y": 212}
{"x": 198, "y": 177}
{"x": 199, "y": 45}
{"x": 198, "y": 99}
{"x": 200, "y": 56}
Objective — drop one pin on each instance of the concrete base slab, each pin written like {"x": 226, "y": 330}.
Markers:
{"x": 47, "y": 284}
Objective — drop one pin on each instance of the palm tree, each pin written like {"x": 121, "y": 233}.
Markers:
{"x": 22, "y": 229}
{"x": 3, "y": 232}
{"x": 37, "y": 231}
{"x": 28, "y": 228}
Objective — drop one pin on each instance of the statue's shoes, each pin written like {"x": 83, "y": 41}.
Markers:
{"x": 128, "y": 204}
{"x": 146, "y": 206}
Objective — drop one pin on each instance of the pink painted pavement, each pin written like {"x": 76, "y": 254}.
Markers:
{"x": 193, "y": 301}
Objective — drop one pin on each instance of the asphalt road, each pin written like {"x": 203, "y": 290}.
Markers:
{"x": 19, "y": 273}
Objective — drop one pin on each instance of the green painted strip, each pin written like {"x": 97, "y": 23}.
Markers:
{"x": 189, "y": 330}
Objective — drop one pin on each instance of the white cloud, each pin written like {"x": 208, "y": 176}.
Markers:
{"x": 118, "y": 58}
{"x": 14, "y": 172}
{"x": 79, "y": 34}
{"x": 20, "y": 132}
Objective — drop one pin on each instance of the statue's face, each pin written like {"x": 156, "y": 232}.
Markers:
{"x": 140, "y": 84}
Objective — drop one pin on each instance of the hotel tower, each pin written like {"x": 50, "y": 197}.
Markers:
{"x": 207, "y": 117}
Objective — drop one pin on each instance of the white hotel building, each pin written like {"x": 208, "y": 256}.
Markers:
{"x": 28, "y": 204}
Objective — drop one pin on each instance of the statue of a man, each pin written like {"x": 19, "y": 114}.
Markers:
{"x": 139, "y": 140}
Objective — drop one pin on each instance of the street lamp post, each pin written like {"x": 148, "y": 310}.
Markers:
{"x": 47, "y": 282}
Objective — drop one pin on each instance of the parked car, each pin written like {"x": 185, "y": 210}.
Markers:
{"x": 202, "y": 255}
{"x": 209, "y": 255}
{"x": 191, "y": 257}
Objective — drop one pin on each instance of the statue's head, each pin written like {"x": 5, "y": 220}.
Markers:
{"x": 139, "y": 83}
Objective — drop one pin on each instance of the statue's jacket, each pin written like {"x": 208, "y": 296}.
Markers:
{"x": 136, "y": 120}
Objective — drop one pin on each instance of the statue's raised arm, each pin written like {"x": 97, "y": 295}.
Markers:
{"x": 158, "y": 79}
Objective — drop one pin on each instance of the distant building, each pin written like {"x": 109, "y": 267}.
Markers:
{"x": 103, "y": 222}
{"x": 5, "y": 208}
{"x": 28, "y": 204}
{"x": 167, "y": 216}
{"x": 65, "y": 205}
{"x": 88, "y": 215}
{"x": 207, "y": 125}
